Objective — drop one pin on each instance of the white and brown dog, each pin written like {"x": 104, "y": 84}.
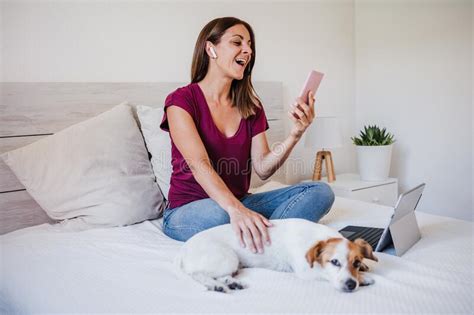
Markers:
{"x": 310, "y": 250}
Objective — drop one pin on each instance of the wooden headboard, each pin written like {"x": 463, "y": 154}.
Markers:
{"x": 31, "y": 111}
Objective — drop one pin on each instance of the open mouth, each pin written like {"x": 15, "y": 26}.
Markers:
{"x": 241, "y": 62}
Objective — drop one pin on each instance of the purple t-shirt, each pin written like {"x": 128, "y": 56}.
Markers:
{"x": 230, "y": 157}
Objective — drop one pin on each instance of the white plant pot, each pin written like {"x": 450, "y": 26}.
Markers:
{"x": 374, "y": 162}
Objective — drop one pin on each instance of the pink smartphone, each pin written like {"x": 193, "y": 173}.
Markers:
{"x": 312, "y": 83}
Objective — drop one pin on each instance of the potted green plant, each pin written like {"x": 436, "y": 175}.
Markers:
{"x": 374, "y": 153}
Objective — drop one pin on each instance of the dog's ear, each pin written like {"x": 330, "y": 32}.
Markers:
{"x": 314, "y": 253}
{"x": 365, "y": 249}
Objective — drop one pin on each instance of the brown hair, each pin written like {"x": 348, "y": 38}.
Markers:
{"x": 243, "y": 94}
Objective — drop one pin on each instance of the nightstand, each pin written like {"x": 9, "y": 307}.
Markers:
{"x": 352, "y": 187}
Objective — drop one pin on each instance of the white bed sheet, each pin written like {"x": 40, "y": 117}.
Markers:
{"x": 129, "y": 270}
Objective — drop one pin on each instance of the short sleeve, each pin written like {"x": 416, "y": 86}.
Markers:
{"x": 259, "y": 122}
{"x": 183, "y": 98}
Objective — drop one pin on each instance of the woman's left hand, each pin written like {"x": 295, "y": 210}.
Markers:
{"x": 305, "y": 114}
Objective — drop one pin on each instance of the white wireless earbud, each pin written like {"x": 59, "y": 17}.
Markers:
{"x": 213, "y": 52}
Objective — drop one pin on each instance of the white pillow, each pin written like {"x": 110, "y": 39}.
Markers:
{"x": 95, "y": 173}
{"x": 158, "y": 143}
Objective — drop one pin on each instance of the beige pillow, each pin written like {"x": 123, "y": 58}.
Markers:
{"x": 94, "y": 173}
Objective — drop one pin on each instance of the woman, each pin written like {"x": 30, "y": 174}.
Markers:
{"x": 217, "y": 124}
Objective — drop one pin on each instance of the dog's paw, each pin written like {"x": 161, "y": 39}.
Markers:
{"x": 235, "y": 286}
{"x": 220, "y": 288}
{"x": 366, "y": 280}
{"x": 233, "y": 283}
{"x": 210, "y": 284}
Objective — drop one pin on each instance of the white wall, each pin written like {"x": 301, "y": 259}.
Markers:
{"x": 382, "y": 59}
{"x": 133, "y": 41}
{"x": 413, "y": 75}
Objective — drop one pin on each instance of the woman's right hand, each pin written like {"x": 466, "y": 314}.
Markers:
{"x": 250, "y": 228}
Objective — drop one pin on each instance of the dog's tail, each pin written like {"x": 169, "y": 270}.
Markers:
{"x": 179, "y": 272}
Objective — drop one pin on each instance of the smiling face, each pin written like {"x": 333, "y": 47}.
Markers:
{"x": 234, "y": 52}
{"x": 340, "y": 261}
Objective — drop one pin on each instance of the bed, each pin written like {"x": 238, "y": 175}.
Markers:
{"x": 47, "y": 267}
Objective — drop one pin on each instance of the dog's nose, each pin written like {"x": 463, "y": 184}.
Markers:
{"x": 350, "y": 285}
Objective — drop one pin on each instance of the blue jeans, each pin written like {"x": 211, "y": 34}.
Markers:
{"x": 309, "y": 200}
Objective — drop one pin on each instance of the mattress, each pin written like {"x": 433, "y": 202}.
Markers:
{"x": 48, "y": 269}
